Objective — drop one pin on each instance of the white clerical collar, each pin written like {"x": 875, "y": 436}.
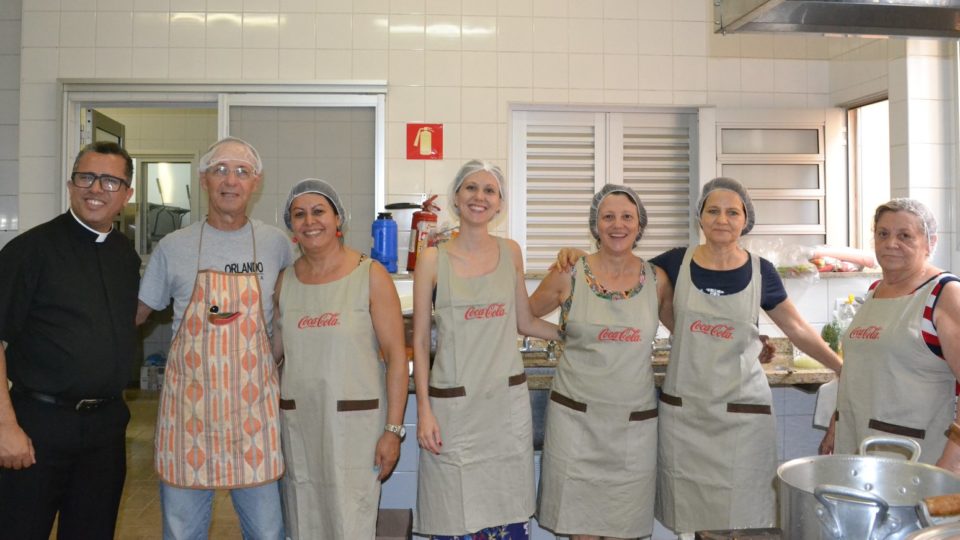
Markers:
{"x": 101, "y": 236}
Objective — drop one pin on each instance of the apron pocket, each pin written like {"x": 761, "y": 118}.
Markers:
{"x": 456, "y": 391}
{"x": 896, "y": 429}
{"x": 641, "y": 443}
{"x": 748, "y": 408}
{"x": 345, "y": 405}
{"x": 564, "y": 430}
{"x": 676, "y": 401}
{"x": 557, "y": 397}
{"x": 448, "y": 412}
{"x": 359, "y": 426}
{"x": 294, "y": 448}
{"x": 521, "y": 417}
{"x": 640, "y": 416}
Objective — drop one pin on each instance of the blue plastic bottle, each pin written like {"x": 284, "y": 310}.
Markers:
{"x": 385, "y": 241}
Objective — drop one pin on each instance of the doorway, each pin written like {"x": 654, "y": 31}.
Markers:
{"x": 165, "y": 143}
{"x": 331, "y": 131}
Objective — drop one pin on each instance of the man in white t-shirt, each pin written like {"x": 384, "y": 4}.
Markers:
{"x": 217, "y": 424}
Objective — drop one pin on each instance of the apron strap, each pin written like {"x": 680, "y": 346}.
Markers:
{"x": 252, "y": 236}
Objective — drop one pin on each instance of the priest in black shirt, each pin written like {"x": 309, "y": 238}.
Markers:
{"x": 68, "y": 299}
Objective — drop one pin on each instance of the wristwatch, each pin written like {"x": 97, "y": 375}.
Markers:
{"x": 396, "y": 429}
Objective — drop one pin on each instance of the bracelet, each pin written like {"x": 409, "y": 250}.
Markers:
{"x": 953, "y": 433}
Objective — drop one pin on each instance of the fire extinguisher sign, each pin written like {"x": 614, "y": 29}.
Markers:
{"x": 424, "y": 141}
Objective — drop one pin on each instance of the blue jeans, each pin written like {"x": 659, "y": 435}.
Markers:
{"x": 186, "y": 512}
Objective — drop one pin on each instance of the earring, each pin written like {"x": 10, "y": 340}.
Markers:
{"x": 294, "y": 239}
{"x": 339, "y": 233}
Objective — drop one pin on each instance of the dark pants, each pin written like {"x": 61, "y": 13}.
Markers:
{"x": 79, "y": 473}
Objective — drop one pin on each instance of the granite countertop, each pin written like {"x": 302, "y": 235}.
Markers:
{"x": 780, "y": 371}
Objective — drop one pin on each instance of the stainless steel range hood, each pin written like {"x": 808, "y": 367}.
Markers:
{"x": 921, "y": 18}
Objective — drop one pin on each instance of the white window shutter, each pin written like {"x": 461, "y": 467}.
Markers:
{"x": 655, "y": 160}
{"x": 563, "y": 159}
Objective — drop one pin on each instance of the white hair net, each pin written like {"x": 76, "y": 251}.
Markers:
{"x": 729, "y": 184}
{"x": 598, "y": 200}
{"x": 232, "y": 149}
{"x": 320, "y": 187}
{"x": 468, "y": 168}
{"x": 917, "y": 208}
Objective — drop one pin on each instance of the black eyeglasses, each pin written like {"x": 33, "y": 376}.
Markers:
{"x": 108, "y": 182}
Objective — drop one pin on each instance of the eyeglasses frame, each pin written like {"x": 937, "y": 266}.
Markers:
{"x": 98, "y": 178}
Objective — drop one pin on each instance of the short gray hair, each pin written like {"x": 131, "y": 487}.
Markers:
{"x": 912, "y": 206}
{"x": 471, "y": 167}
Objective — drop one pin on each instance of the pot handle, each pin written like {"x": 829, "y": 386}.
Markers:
{"x": 939, "y": 509}
{"x": 892, "y": 440}
{"x": 826, "y": 495}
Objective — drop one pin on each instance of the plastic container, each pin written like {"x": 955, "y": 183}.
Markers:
{"x": 845, "y": 313}
{"x": 385, "y": 241}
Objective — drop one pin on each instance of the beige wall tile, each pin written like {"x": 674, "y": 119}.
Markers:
{"x": 407, "y": 32}
{"x": 442, "y": 32}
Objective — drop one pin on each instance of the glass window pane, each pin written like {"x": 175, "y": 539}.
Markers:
{"x": 336, "y": 144}
{"x": 787, "y": 212}
{"x": 775, "y": 176}
{"x": 872, "y": 160}
{"x": 769, "y": 141}
{"x": 168, "y": 199}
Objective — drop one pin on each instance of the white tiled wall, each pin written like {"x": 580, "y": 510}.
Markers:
{"x": 171, "y": 131}
{"x": 459, "y": 62}
{"x": 9, "y": 118}
{"x": 462, "y": 63}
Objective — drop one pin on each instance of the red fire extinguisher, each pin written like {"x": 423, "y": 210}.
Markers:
{"x": 424, "y": 223}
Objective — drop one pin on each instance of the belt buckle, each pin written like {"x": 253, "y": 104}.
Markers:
{"x": 88, "y": 404}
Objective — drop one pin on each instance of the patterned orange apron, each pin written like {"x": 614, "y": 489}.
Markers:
{"x": 218, "y": 421}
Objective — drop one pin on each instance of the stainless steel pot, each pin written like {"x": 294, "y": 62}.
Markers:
{"x": 948, "y": 531}
{"x": 858, "y": 497}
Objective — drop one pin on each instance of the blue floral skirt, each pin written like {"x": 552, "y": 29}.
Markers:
{"x": 513, "y": 531}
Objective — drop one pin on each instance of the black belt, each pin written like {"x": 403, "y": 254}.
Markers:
{"x": 88, "y": 404}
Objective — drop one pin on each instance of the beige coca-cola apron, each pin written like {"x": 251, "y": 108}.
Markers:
{"x": 891, "y": 381}
{"x": 483, "y": 476}
{"x": 717, "y": 444}
{"x": 218, "y": 424}
{"x": 333, "y": 407}
{"x": 598, "y": 473}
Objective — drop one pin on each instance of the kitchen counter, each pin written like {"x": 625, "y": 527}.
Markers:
{"x": 779, "y": 372}
{"x": 540, "y": 367}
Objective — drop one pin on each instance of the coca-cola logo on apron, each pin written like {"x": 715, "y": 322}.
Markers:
{"x": 320, "y": 321}
{"x": 866, "y": 332}
{"x": 627, "y": 335}
{"x": 720, "y": 331}
{"x": 485, "y": 312}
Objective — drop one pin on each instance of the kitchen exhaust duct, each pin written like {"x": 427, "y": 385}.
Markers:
{"x": 914, "y": 18}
